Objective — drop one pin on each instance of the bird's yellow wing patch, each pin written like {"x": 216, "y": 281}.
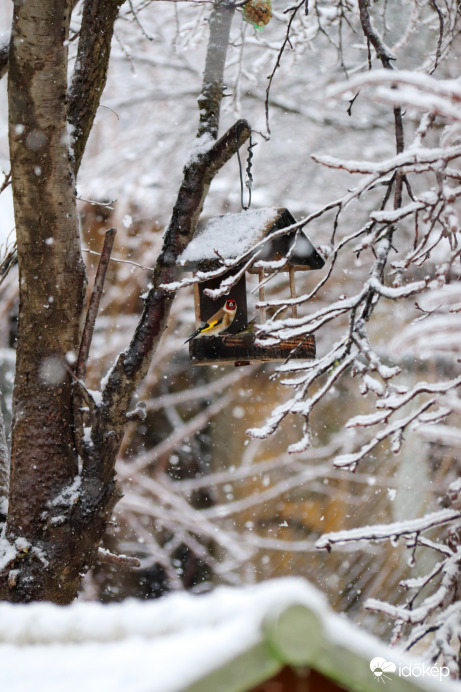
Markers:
{"x": 210, "y": 325}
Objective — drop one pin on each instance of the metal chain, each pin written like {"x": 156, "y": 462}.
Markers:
{"x": 249, "y": 181}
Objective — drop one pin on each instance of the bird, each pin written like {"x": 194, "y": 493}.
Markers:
{"x": 249, "y": 328}
{"x": 219, "y": 322}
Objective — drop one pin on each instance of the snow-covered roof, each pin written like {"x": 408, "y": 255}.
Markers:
{"x": 224, "y": 641}
{"x": 229, "y": 236}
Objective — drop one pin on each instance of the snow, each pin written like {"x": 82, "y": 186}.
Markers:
{"x": 441, "y": 434}
{"x": 201, "y": 145}
{"x": 391, "y": 216}
{"x": 367, "y": 419}
{"x": 8, "y": 551}
{"x": 96, "y": 395}
{"x": 438, "y": 333}
{"x": 401, "y": 398}
{"x": 370, "y": 384}
{"x": 136, "y": 645}
{"x": 449, "y": 89}
{"x": 69, "y": 496}
{"x": 421, "y": 613}
{"x": 150, "y": 152}
{"x": 129, "y": 646}
{"x": 381, "y": 532}
{"x": 4, "y": 39}
{"x": 229, "y": 236}
{"x": 411, "y": 159}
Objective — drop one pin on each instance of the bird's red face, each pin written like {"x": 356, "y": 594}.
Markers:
{"x": 231, "y": 305}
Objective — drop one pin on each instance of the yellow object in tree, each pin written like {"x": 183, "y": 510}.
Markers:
{"x": 258, "y": 13}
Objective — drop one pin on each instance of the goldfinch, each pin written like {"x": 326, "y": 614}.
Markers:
{"x": 220, "y": 321}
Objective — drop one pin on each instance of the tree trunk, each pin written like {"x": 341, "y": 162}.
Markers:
{"x": 52, "y": 290}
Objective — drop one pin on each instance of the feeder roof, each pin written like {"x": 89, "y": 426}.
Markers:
{"x": 228, "y": 640}
{"x": 231, "y": 235}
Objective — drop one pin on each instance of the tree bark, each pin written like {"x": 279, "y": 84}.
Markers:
{"x": 209, "y": 101}
{"x": 51, "y": 292}
{"x": 90, "y": 74}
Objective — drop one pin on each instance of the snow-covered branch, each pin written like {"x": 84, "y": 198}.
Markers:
{"x": 381, "y": 532}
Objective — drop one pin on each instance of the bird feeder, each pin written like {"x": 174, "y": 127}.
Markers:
{"x": 225, "y": 238}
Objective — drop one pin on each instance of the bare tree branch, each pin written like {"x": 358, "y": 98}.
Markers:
{"x": 120, "y": 560}
{"x": 90, "y": 74}
{"x": 383, "y": 532}
{"x": 4, "y": 53}
{"x": 94, "y": 303}
{"x": 286, "y": 42}
{"x": 386, "y": 57}
{"x": 210, "y": 98}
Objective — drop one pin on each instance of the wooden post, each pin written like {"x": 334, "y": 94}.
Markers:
{"x": 262, "y": 296}
{"x": 198, "y": 317}
{"x": 294, "y": 308}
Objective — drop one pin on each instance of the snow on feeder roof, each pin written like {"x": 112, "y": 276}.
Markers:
{"x": 229, "y": 236}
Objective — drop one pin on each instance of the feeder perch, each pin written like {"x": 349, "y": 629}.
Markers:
{"x": 226, "y": 238}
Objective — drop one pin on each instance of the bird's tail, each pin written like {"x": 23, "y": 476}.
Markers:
{"x": 192, "y": 336}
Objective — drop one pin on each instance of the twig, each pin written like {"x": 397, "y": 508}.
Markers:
{"x": 103, "y": 105}
{"x": 138, "y": 22}
{"x": 6, "y": 182}
{"x": 7, "y": 263}
{"x": 118, "y": 260}
{"x": 122, "y": 560}
{"x": 278, "y": 61}
{"x": 386, "y": 57}
{"x": 83, "y": 391}
{"x": 90, "y": 73}
{"x": 382, "y": 532}
{"x": 95, "y": 203}
{"x": 94, "y": 303}
{"x": 351, "y": 103}
{"x": 4, "y": 53}
{"x": 438, "y": 52}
